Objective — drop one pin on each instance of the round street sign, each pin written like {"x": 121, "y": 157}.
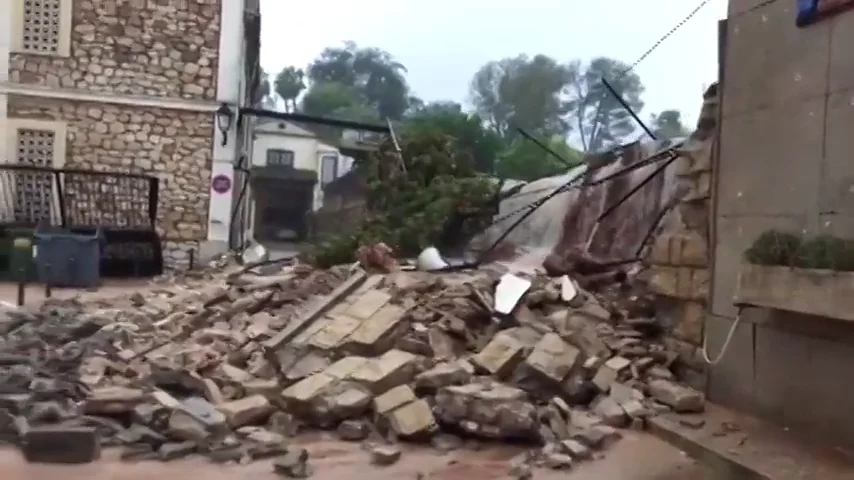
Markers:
{"x": 221, "y": 184}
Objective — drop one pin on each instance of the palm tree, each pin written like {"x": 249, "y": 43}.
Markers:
{"x": 290, "y": 82}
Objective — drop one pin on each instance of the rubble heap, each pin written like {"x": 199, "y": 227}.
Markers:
{"x": 233, "y": 367}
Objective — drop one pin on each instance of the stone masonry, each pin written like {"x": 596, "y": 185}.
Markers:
{"x": 176, "y": 146}
{"x": 166, "y": 49}
{"x": 679, "y": 258}
{"x": 160, "y": 48}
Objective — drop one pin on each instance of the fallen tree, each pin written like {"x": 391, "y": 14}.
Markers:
{"x": 428, "y": 193}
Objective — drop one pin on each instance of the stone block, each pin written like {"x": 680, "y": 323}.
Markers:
{"x": 492, "y": 410}
{"x": 247, "y": 410}
{"x": 205, "y": 412}
{"x": 700, "y": 284}
{"x": 345, "y": 366}
{"x": 394, "y": 398}
{"x": 61, "y": 444}
{"x": 413, "y": 420}
{"x": 664, "y": 281}
{"x": 378, "y": 333}
{"x": 113, "y": 400}
{"x": 553, "y": 357}
{"x": 341, "y": 401}
{"x": 660, "y": 252}
{"x": 385, "y": 455}
{"x": 380, "y": 374}
{"x": 610, "y": 372}
{"x": 368, "y": 304}
{"x": 443, "y": 375}
{"x": 689, "y": 325}
{"x": 695, "y": 250}
{"x": 576, "y": 449}
{"x": 301, "y": 393}
{"x": 302, "y": 338}
{"x": 611, "y": 413}
{"x": 334, "y": 333}
{"x": 681, "y": 399}
{"x": 500, "y": 356}
{"x": 676, "y": 240}
{"x": 183, "y": 426}
{"x": 684, "y": 282}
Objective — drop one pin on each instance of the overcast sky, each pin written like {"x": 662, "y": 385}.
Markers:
{"x": 442, "y": 43}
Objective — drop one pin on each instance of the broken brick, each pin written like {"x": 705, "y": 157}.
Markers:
{"x": 60, "y": 444}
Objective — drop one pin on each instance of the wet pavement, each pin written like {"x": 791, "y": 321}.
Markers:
{"x": 636, "y": 457}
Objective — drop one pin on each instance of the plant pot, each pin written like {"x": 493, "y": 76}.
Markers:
{"x": 827, "y": 293}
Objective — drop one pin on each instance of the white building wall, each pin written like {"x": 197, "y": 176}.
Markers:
{"x": 5, "y": 47}
{"x": 229, "y": 78}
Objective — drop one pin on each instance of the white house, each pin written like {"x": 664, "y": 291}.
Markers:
{"x": 290, "y": 167}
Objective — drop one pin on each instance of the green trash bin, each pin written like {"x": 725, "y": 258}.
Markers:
{"x": 21, "y": 264}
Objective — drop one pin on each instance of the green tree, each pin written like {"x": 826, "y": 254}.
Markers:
{"x": 524, "y": 160}
{"x": 598, "y": 118}
{"x": 668, "y": 124}
{"x": 324, "y": 99}
{"x": 468, "y": 131}
{"x": 289, "y": 83}
{"x": 372, "y": 72}
{"x": 521, "y": 92}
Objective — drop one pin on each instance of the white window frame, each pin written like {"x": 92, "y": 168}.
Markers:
{"x": 335, "y": 169}
{"x": 280, "y": 151}
{"x": 65, "y": 27}
{"x": 60, "y": 139}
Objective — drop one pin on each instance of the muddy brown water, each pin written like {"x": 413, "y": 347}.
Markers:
{"x": 635, "y": 457}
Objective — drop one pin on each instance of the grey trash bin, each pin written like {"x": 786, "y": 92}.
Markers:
{"x": 65, "y": 259}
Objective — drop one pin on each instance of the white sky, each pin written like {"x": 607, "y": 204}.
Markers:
{"x": 443, "y": 42}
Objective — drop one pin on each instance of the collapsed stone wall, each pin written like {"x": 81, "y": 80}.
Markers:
{"x": 678, "y": 261}
{"x": 175, "y": 146}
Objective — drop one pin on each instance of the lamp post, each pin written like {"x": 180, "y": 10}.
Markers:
{"x": 224, "y": 116}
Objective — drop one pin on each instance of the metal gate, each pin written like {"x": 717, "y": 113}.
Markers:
{"x": 122, "y": 206}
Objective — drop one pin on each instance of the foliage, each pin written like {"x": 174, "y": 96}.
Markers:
{"x": 413, "y": 200}
{"x": 372, "y": 73}
{"x": 521, "y": 92}
{"x": 524, "y": 160}
{"x": 289, "y": 83}
{"x": 668, "y": 124}
{"x": 774, "y": 248}
{"x": 326, "y": 99}
{"x": 599, "y": 118}
{"x": 468, "y": 131}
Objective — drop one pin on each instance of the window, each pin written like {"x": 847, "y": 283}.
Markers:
{"x": 328, "y": 168}
{"x": 42, "y": 27}
{"x": 32, "y": 196}
{"x": 280, "y": 158}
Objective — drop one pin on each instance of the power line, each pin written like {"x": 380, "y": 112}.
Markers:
{"x": 665, "y": 37}
{"x": 685, "y": 20}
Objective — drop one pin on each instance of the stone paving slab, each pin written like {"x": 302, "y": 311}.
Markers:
{"x": 740, "y": 447}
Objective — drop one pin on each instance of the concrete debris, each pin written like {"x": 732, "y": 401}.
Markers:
{"x": 231, "y": 364}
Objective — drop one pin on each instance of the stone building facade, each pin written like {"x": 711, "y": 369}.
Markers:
{"x": 126, "y": 86}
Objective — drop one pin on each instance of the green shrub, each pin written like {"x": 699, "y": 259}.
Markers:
{"x": 776, "y": 248}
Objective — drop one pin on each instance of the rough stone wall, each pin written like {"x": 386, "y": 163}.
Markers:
{"x": 161, "y": 48}
{"x": 173, "y": 145}
{"x": 679, "y": 258}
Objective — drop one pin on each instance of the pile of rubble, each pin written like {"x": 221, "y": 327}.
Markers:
{"x": 231, "y": 366}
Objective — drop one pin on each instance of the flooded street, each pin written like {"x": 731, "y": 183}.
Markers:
{"x": 636, "y": 457}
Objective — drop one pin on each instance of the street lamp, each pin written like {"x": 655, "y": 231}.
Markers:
{"x": 224, "y": 116}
